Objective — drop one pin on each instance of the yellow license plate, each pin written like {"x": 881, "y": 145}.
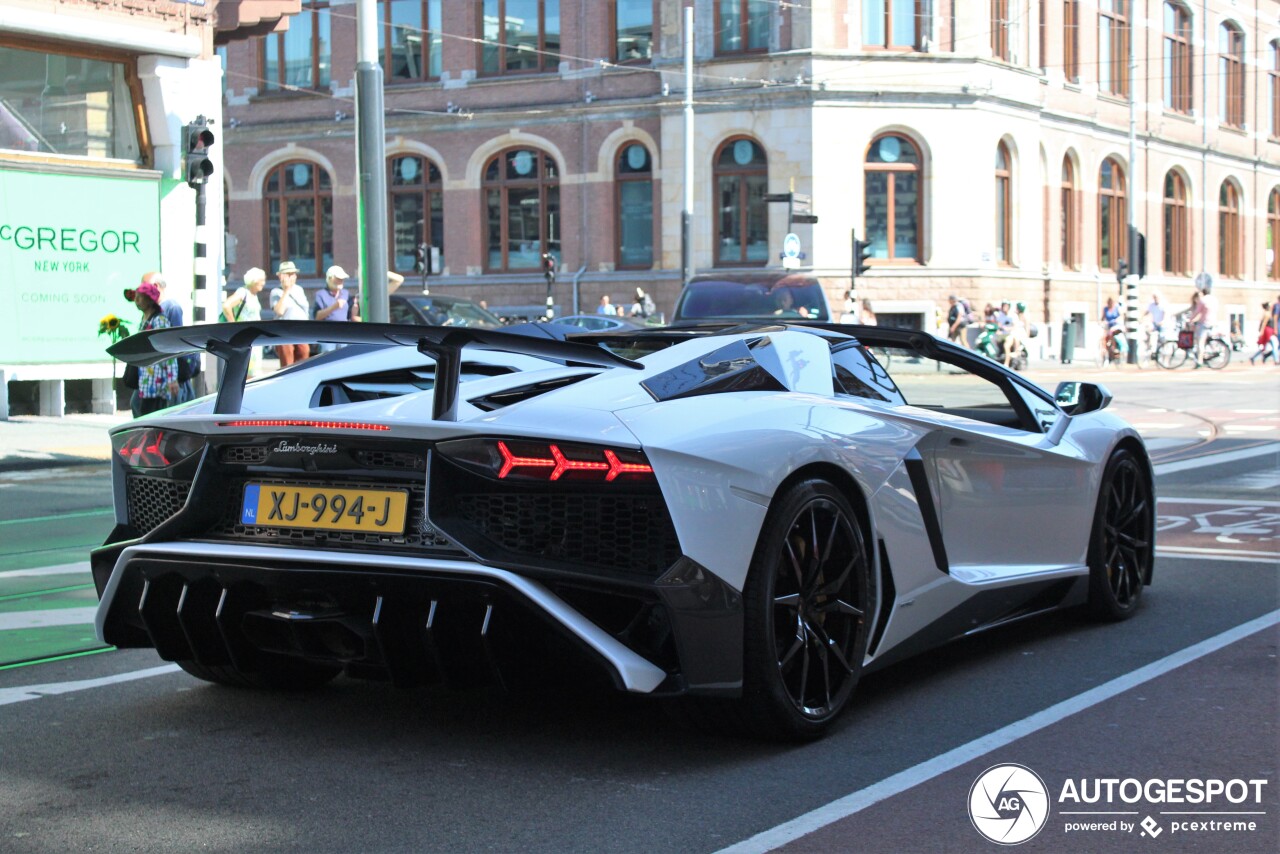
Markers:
{"x": 271, "y": 505}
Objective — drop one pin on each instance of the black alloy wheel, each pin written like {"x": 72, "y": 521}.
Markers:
{"x": 1122, "y": 547}
{"x": 808, "y": 597}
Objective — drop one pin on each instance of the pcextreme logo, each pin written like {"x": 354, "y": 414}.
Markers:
{"x": 1008, "y": 804}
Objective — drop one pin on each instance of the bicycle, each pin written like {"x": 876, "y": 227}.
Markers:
{"x": 1113, "y": 350}
{"x": 1174, "y": 353}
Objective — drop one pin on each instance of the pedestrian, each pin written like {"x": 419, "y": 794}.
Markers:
{"x": 334, "y": 302}
{"x": 245, "y": 306}
{"x": 605, "y": 307}
{"x": 643, "y": 307}
{"x": 1110, "y": 326}
{"x": 866, "y": 316}
{"x": 1015, "y": 333}
{"x": 189, "y": 363}
{"x": 289, "y": 303}
{"x": 1153, "y": 318}
{"x": 157, "y": 382}
{"x": 1266, "y": 335}
{"x": 959, "y": 315}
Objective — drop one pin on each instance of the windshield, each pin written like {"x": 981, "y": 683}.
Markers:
{"x": 441, "y": 312}
{"x": 717, "y": 299}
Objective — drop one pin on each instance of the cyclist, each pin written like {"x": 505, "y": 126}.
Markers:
{"x": 1110, "y": 326}
{"x": 1204, "y": 314}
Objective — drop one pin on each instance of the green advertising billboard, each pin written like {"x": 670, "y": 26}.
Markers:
{"x": 69, "y": 245}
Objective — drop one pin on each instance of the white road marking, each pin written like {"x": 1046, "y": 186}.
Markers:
{"x": 35, "y": 692}
{"x": 925, "y": 771}
{"x": 1248, "y": 428}
{"x": 1217, "y": 459}
{"x": 1184, "y": 551}
{"x": 1157, "y": 425}
{"x": 47, "y": 618}
{"x": 1224, "y": 502}
{"x": 36, "y": 572}
{"x": 1216, "y": 557}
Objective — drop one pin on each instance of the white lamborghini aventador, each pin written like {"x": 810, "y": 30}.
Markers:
{"x": 748, "y": 516}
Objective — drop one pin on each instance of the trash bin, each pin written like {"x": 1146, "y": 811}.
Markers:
{"x": 1068, "y": 342}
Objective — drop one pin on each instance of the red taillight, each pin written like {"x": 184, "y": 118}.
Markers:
{"x": 525, "y": 459}
{"x": 151, "y": 447}
{"x": 560, "y": 464}
{"x": 303, "y": 422}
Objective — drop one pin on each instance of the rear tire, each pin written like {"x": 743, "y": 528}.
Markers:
{"x": 275, "y": 674}
{"x": 1122, "y": 544}
{"x": 1217, "y": 353}
{"x": 807, "y": 602}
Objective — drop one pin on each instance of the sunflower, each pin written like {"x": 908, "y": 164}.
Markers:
{"x": 114, "y": 327}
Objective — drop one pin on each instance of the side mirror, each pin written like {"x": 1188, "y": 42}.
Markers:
{"x": 1077, "y": 398}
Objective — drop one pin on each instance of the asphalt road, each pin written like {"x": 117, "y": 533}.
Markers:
{"x": 161, "y": 762}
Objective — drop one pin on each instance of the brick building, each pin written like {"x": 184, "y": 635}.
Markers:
{"x": 981, "y": 145}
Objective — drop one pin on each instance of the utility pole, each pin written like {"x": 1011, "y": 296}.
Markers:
{"x": 371, "y": 160}
{"x": 1131, "y": 250}
{"x": 686, "y": 216}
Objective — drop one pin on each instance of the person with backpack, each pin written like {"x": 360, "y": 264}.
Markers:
{"x": 959, "y": 316}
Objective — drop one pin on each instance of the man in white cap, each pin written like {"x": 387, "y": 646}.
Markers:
{"x": 334, "y": 302}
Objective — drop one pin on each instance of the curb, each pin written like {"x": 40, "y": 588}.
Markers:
{"x": 12, "y": 464}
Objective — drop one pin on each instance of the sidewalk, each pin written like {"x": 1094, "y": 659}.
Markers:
{"x": 34, "y": 442}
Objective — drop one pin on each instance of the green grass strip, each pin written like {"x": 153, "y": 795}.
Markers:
{"x": 81, "y": 654}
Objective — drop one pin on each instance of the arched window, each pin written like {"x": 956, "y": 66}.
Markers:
{"x": 1113, "y": 47}
{"x": 1113, "y": 237}
{"x": 1273, "y": 89}
{"x": 417, "y": 211}
{"x": 1229, "y": 236}
{"x": 741, "y": 179}
{"x": 299, "y": 200}
{"x": 1004, "y": 205}
{"x": 1069, "y": 252}
{"x": 522, "y": 206}
{"x": 1177, "y": 235}
{"x": 1177, "y": 58}
{"x": 1273, "y": 234}
{"x": 633, "y": 177}
{"x": 1231, "y": 74}
{"x": 893, "y": 24}
{"x": 893, "y": 211}
{"x": 1000, "y": 29}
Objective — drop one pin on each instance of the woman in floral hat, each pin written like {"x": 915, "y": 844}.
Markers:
{"x": 158, "y": 383}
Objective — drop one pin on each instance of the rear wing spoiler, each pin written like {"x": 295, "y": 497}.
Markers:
{"x": 233, "y": 343}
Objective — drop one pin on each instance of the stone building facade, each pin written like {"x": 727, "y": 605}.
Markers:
{"x": 981, "y": 145}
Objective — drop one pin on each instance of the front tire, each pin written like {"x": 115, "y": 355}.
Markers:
{"x": 1217, "y": 354}
{"x": 1170, "y": 356}
{"x": 1122, "y": 545}
{"x": 808, "y": 598}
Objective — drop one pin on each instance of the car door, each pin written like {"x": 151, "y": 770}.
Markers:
{"x": 1009, "y": 499}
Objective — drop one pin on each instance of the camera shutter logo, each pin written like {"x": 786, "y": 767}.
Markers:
{"x": 1008, "y": 804}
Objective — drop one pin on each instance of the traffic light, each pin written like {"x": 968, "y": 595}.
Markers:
{"x": 549, "y": 267}
{"x": 1140, "y": 269}
{"x": 861, "y": 255}
{"x": 199, "y": 139}
{"x": 420, "y": 258}
{"x": 1122, "y": 270}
